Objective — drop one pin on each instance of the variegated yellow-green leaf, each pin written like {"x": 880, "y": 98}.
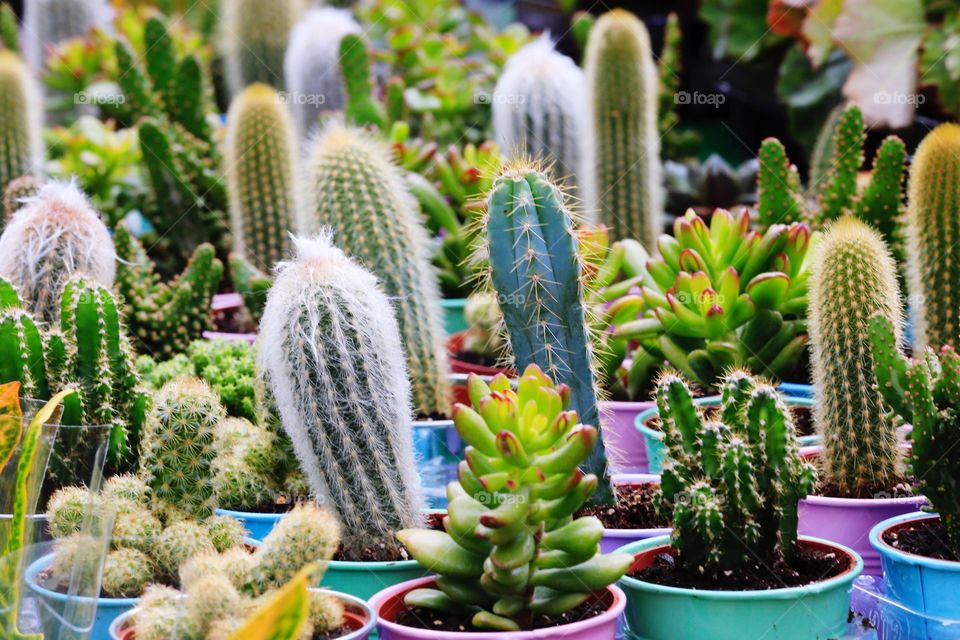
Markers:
{"x": 11, "y": 421}
{"x": 283, "y": 616}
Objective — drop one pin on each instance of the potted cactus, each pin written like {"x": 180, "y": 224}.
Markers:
{"x": 920, "y": 552}
{"x": 510, "y": 557}
{"x": 218, "y": 590}
{"x": 863, "y": 479}
{"x": 734, "y": 566}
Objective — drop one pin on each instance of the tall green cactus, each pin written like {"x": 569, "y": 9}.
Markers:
{"x": 933, "y": 233}
{"x": 22, "y": 353}
{"x": 312, "y": 65}
{"x": 254, "y": 40}
{"x": 177, "y": 452}
{"x": 260, "y": 159}
{"x": 58, "y": 234}
{"x": 333, "y": 362}
{"x": 623, "y": 172}
{"x": 536, "y": 272}
{"x": 778, "y": 186}
{"x": 731, "y": 485}
{"x": 925, "y": 392}
{"x": 360, "y": 108}
{"x": 21, "y": 115}
{"x": 881, "y": 203}
{"x": 91, "y": 353}
{"x": 822, "y": 155}
{"x": 853, "y": 278}
{"x": 533, "y": 112}
{"x": 838, "y": 189}
{"x": 165, "y": 317}
{"x": 354, "y": 189}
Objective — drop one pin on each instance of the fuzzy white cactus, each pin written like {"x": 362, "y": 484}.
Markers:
{"x": 253, "y": 40}
{"x": 331, "y": 355}
{"x": 538, "y": 108}
{"x": 312, "y": 65}
{"x": 47, "y": 23}
{"x": 54, "y": 236}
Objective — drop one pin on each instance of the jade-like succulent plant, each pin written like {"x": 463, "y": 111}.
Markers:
{"x": 731, "y": 484}
{"x": 510, "y": 548}
{"x": 925, "y": 392}
{"x": 722, "y": 296}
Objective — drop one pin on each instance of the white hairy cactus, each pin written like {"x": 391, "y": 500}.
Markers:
{"x": 54, "y": 236}
{"x": 331, "y": 355}
{"x": 312, "y": 64}
{"x": 537, "y": 108}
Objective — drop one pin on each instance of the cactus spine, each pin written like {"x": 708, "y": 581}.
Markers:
{"x": 21, "y": 113}
{"x": 853, "y": 278}
{"x": 533, "y": 111}
{"x": 47, "y": 23}
{"x": 933, "y": 231}
{"x": 260, "y": 161}
{"x": 55, "y": 235}
{"x": 178, "y": 452}
{"x": 166, "y": 317}
{"x": 778, "y": 186}
{"x": 623, "y": 149}
{"x": 536, "y": 272}
{"x": 356, "y": 191}
{"x": 731, "y": 486}
{"x": 312, "y": 64}
{"x": 254, "y": 40}
{"x": 332, "y": 357}
{"x": 839, "y": 187}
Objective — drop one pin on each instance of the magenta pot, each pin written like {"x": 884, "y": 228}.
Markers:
{"x": 389, "y": 602}
{"x": 848, "y": 521}
{"x": 613, "y": 539}
{"x": 626, "y": 447}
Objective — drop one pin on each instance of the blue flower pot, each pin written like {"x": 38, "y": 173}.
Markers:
{"x": 258, "y": 525}
{"x": 656, "y": 451}
{"x": 439, "y": 450}
{"x": 453, "y": 319}
{"x": 925, "y": 587}
{"x": 658, "y": 612}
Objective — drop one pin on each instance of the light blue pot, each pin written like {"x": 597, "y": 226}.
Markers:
{"x": 258, "y": 525}
{"x": 656, "y": 451}
{"x": 657, "y": 612}
{"x": 52, "y": 602}
{"x": 439, "y": 450}
{"x": 453, "y": 319}
{"x": 926, "y": 588}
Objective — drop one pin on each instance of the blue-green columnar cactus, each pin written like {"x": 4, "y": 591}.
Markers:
{"x": 511, "y": 547}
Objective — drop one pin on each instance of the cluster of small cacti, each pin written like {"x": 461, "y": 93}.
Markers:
{"x": 220, "y": 588}
{"x": 510, "y": 548}
{"x": 21, "y": 143}
{"x": 731, "y": 485}
{"x": 150, "y": 539}
{"x": 353, "y": 189}
{"x": 254, "y": 40}
{"x": 534, "y": 113}
{"x": 721, "y": 296}
{"x": 623, "y": 176}
{"x": 165, "y": 317}
{"x": 924, "y": 393}
{"x": 537, "y": 275}
{"x": 329, "y": 343}
{"x": 53, "y": 237}
{"x": 260, "y": 159}
{"x": 312, "y": 65}
{"x": 932, "y": 232}
{"x": 853, "y": 277}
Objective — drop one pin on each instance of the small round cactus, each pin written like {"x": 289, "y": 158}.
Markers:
{"x": 306, "y": 534}
{"x": 67, "y": 509}
{"x": 225, "y": 532}
{"x": 134, "y": 526}
{"x": 126, "y": 572}
{"x": 127, "y": 486}
{"x": 210, "y": 598}
{"x": 237, "y": 564}
{"x": 178, "y": 543}
{"x": 54, "y": 236}
{"x": 238, "y": 486}
{"x": 17, "y": 191}
{"x": 326, "y": 612}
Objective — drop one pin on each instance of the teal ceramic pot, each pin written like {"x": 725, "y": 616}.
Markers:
{"x": 453, "y": 319}
{"x": 656, "y": 612}
{"x": 925, "y": 586}
{"x": 52, "y": 603}
{"x": 653, "y": 438}
{"x": 258, "y": 525}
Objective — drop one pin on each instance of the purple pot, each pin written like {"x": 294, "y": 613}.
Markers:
{"x": 613, "y": 539}
{"x": 219, "y": 335}
{"x": 849, "y": 521}
{"x": 626, "y": 449}
{"x": 389, "y": 602}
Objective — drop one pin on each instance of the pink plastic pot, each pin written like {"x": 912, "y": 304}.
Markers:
{"x": 848, "y": 521}
{"x": 389, "y": 602}
{"x": 613, "y": 539}
{"x": 626, "y": 447}
{"x": 223, "y": 303}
